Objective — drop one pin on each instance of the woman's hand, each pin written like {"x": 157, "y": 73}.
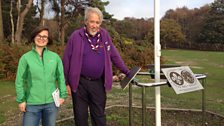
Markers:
{"x": 61, "y": 100}
{"x": 22, "y": 107}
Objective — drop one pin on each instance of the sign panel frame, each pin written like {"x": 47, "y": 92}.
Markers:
{"x": 131, "y": 75}
{"x": 182, "y": 79}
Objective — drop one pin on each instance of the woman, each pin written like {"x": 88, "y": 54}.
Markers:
{"x": 40, "y": 72}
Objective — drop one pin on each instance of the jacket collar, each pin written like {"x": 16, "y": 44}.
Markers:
{"x": 34, "y": 48}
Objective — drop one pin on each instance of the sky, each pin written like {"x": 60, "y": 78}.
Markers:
{"x": 145, "y": 8}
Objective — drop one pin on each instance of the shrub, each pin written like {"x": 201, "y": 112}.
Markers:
{"x": 9, "y": 57}
{"x": 133, "y": 55}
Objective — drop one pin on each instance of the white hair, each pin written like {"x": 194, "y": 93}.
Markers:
{"x": 95, "y": 10}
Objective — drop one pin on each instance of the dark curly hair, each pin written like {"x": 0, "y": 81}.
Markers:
{"x": 39, "y": 29}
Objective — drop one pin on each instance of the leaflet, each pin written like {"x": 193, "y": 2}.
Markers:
{"x": 56, "y": 97}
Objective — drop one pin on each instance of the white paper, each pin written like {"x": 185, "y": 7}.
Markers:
{"x": 56, "y": 97}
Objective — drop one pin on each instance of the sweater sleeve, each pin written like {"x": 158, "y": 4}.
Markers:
{"x": 21, "y": 77}
{"x": 61, "y": 79}
{"x": 66, "y": 59}
{"x": 116, "y": 58}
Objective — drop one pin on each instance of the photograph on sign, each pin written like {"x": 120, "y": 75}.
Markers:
{"x": 182, "y": 79}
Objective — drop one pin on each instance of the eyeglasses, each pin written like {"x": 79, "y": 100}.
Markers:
{"x": 45, "y": 38}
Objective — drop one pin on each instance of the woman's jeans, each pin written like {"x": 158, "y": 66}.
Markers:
{"x": 47, "y": 113}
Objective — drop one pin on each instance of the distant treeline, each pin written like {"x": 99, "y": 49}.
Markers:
{"x": 198, "y": 28}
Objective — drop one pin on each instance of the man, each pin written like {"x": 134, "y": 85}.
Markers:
{"x": 87, "y": 60}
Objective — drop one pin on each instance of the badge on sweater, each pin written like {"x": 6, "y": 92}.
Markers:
{"x": 108, "y": 48}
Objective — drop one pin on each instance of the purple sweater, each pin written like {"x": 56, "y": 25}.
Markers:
{"x": 73, "y": 57}
{"x": 93, "y": 60}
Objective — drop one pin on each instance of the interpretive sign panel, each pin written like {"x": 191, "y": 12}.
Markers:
{"x": 182, "y": 79}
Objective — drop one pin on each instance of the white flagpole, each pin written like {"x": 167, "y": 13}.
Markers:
{"x": 157, "y": 54}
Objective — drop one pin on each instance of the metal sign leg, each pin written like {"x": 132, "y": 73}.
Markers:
{"x": 143, "y": 106}
{"x": 130, "y": 105}
{"x": 203, "y": 104}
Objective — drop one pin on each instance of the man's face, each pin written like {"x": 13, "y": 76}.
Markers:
{"x": 93, "y": 23}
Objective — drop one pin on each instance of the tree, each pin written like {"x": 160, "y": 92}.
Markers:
{"x": 183, "y": 16}
{"x": 20, "y": 19}
{"x": 1, "y": 23}
{"x": 62, "y": 22}
{"x": 101, "y": 5}
{"x": 67, "y": 12}
{"x": 190, "y": 27}
{"x": 73, "y": 10}
{"x": 133, "y": 28}
{"x": 41, "y": 10}
{"x": 171, "y": 33}
{"x": 12, "y": 23}
{"x": 213, "y": 29}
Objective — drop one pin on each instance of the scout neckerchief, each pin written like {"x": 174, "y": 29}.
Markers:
{"x": 94, "y": 47}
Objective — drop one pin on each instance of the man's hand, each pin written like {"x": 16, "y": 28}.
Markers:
{"x": 115, "y": 78}
{"x": 69, "y": 90}
{"x": 22, "y": 107}
{"x": 121, "y": 76}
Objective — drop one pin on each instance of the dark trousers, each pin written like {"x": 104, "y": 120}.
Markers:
{"x": 90, "y": 94}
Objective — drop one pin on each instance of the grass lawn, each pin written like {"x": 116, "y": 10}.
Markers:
{"x": 209, "y": 63}
{"x": 7, "y": 100}
{"x": 205, "y": 62}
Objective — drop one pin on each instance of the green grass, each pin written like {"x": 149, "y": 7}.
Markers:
{"x": 209, "y": 63}
{"x": 169, "y": 118}
{"x": 205, "y": 62}
{"x": 7, "y": 99}
{"x": 119, "y": 116}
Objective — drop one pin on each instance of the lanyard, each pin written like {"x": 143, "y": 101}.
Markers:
{"x": 94, "y": 47}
